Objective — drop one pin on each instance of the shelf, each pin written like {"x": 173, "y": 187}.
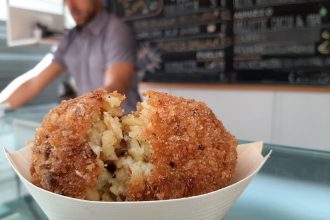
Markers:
{"x": 31, "y": 41}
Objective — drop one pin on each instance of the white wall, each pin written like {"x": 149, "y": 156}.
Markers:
{"x": 49, "y": 6}
{"x": 288, "y": 118}
{"x": 302, "y": 119}
{"x": 3, "y": 9}
{"x": 52, "y": 6}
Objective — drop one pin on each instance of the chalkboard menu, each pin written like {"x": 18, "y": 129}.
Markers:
{"x": 282, "y": 40}
{"x": 286, "y": 41}
{"x": 180, "y": 40}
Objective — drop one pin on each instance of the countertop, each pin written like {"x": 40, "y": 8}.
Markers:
{"x": 227, "y": 86}
{"x": 294, "y": 184}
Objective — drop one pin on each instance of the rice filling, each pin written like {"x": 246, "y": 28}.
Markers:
{"x": 121, "y": 149}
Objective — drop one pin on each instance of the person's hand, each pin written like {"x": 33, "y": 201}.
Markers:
{"x": 3, "y": 108}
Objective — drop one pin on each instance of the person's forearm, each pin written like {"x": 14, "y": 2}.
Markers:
{"x": 118, "y": 77}
{"x": 117, "y": 86}
{"x": 30, "y": 84}
{"x": 18, "y": 93}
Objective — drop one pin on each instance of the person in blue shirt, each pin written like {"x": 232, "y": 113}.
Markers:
{"x": 99, "y": 52}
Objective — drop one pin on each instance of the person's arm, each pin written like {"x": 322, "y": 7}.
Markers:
{"x": 118, "y": 76}
{"x": 120, "y": 56}
{"x": 30, "y": 84}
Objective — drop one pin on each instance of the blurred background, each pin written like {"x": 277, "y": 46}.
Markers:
{"x": 263, "y": 66}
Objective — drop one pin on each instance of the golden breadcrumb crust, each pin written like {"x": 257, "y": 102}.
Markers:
{"x": 192, "y": 151}
{"x": 62, "y": 160}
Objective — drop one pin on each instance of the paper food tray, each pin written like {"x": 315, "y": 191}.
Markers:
{"x": 209, "y": 206}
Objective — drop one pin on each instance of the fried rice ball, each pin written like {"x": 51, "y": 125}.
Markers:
{"x": 74, "y": 143}
{"x": 189, "y": 149}
{"x": 169, "y": 148}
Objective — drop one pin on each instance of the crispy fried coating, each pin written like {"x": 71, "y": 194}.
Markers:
{"x": 62, "y": 160}
{"x": 192, "y": 152}
{"x": 169, "y": 148}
